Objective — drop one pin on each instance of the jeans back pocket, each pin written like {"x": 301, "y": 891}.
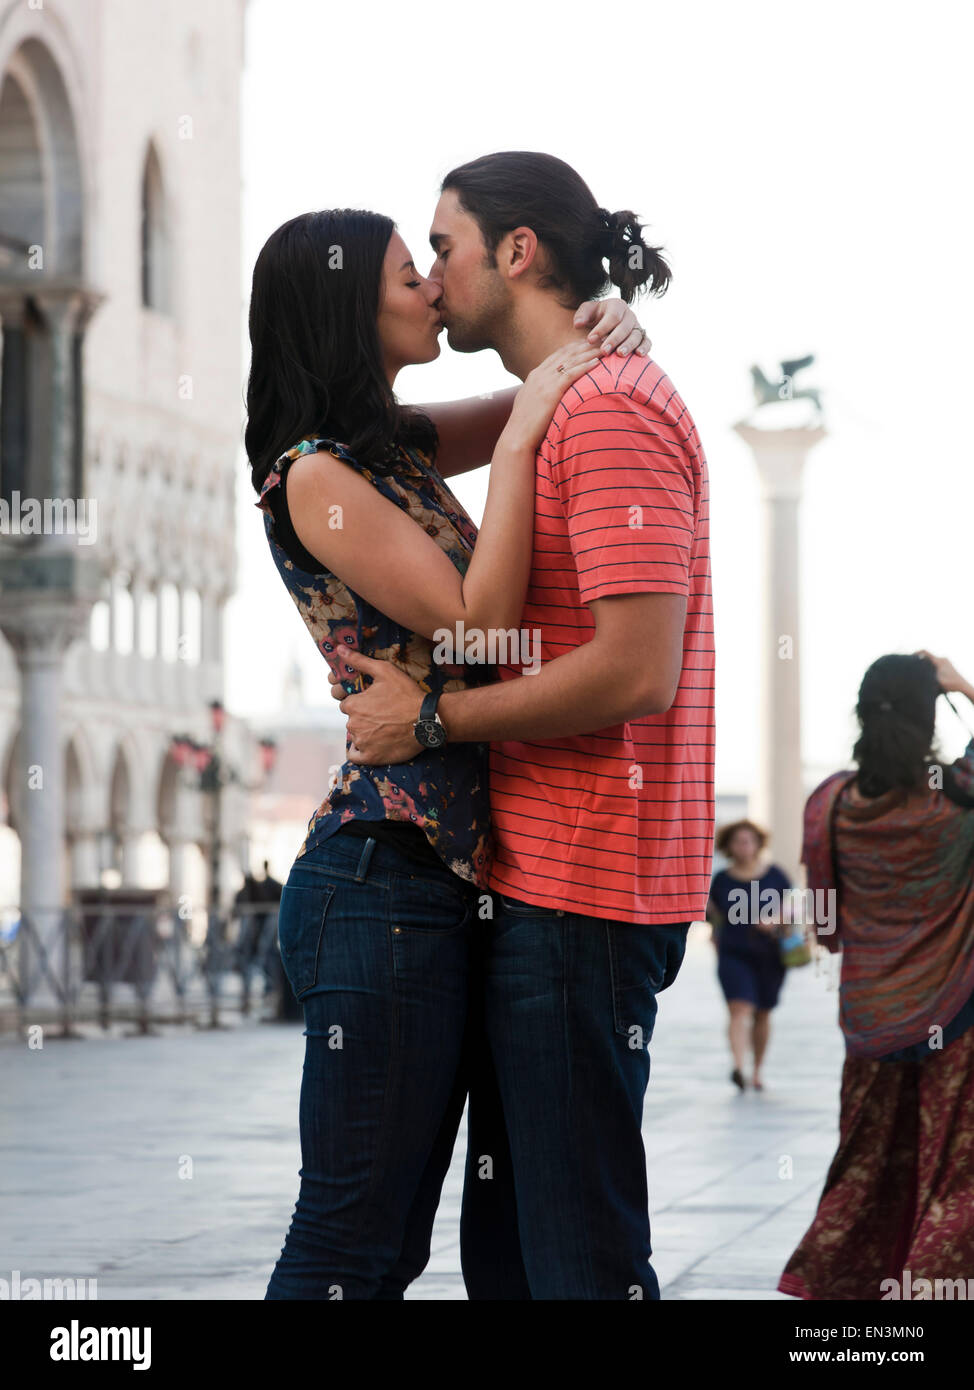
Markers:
{"x": 643, "y": 961}
{"x": 300, "y": 928}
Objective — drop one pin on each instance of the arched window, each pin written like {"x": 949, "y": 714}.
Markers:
{"x": 156, "y": 243}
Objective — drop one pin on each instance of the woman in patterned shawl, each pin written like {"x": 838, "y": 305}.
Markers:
{"x": 894, "y": 841}
{"x": 378, "y": 922}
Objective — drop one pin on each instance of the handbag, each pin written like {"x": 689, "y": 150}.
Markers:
{"x": 794, "y": 948}
{"x": 793, "y": 942}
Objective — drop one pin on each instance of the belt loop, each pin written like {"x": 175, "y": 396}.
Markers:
{"x": 364, "y": 860}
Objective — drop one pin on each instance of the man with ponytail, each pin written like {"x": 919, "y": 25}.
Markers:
{"x": 601, "y": 761}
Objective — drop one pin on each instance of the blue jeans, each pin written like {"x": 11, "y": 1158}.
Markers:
{"x": 570, "y": 1010}
{"x": 384, "y": 956}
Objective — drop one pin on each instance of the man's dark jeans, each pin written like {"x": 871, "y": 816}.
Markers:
{"x": 390, "y": 962}
{"x": 570, "y": 1005}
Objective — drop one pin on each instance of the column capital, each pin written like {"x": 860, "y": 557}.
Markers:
{"x": 780, "y": 455}
{"x": 66, "y": 306}
{"x": 63, "y": 302}
{"x": 13, "y": 306}
{"x": 41, "y": 628}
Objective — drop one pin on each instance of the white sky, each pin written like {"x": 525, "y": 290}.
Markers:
{"x": 804, "y": 167}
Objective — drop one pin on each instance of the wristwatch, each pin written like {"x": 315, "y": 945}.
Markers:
{"x": 428, "y": 729}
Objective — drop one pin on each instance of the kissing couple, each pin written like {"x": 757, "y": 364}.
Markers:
{"x": 499, "y": 884}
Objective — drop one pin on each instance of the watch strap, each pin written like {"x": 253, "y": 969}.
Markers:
{"x": 427, "y": 710}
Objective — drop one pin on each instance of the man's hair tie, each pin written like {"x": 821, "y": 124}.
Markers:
{"x": 607, "y": 232}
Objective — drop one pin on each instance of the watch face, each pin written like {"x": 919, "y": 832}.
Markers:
{"x": 430, "y": 733}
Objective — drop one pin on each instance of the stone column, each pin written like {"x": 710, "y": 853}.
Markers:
{"x": 779, "y": 800}
{"x": 141, "y": 682}
{"x": 179, "y": 879}
{"x": 44, "y": 320}
{"x": 65, "y": 311}
{"x": 182, "y": 616}
{"x": 112, "y": 617}
{"x": 85, "y": 860}
{"x": 47, "y": 587}
{"x": 132, "y": 857}
{"x": 212, "y": 601}
{"x": 14, "y": 393}
{"x": 208, "y": 636}
{"x": 40, "y": 630}
{"x": 137, "y": 591}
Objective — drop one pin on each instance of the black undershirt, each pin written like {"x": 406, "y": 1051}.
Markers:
{"x": 402, "y": 835}
{"x": 284, "y": 532}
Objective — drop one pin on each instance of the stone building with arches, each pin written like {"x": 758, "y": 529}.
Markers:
{"x": 120, "y": 421}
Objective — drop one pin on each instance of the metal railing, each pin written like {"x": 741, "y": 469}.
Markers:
{"x": 141, "y": 964}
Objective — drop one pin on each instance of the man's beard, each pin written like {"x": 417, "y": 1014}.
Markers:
{"x": 487, "y": 327}
{"x": 469, "y": 337}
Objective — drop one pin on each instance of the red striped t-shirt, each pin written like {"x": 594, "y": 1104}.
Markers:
{"x": 617, "y": 824}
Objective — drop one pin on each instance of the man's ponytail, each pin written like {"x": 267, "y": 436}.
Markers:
{"x": 632, "y": 263}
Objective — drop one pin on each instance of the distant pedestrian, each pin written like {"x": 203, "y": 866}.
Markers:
{"x": 248, "y": 919}
{"x": 745, "y": 931}
{"x": 267, "y": 892}
{"x": 270, "y": 887}
{"x": 895, "y": 841}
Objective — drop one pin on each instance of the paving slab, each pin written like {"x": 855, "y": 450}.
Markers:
{"x": 166, "y": 1166}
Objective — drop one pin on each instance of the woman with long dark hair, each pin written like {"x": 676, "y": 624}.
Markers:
{"x": 378, "y": 920}
{"x": 894, "y": 841}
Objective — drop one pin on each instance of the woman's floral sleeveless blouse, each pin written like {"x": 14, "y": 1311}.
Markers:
{"x": 444, "y": 791}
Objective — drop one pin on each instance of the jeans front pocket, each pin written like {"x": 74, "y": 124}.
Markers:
{"x": 300, "y": 928}
{"x": 431, "y": 903}
{"x": 515, "y": 908}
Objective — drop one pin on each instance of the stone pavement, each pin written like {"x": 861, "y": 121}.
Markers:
{"x": 95, "y": 1134}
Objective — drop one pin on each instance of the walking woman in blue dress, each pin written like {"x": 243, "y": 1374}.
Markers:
{"x": 749, "y": 964}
